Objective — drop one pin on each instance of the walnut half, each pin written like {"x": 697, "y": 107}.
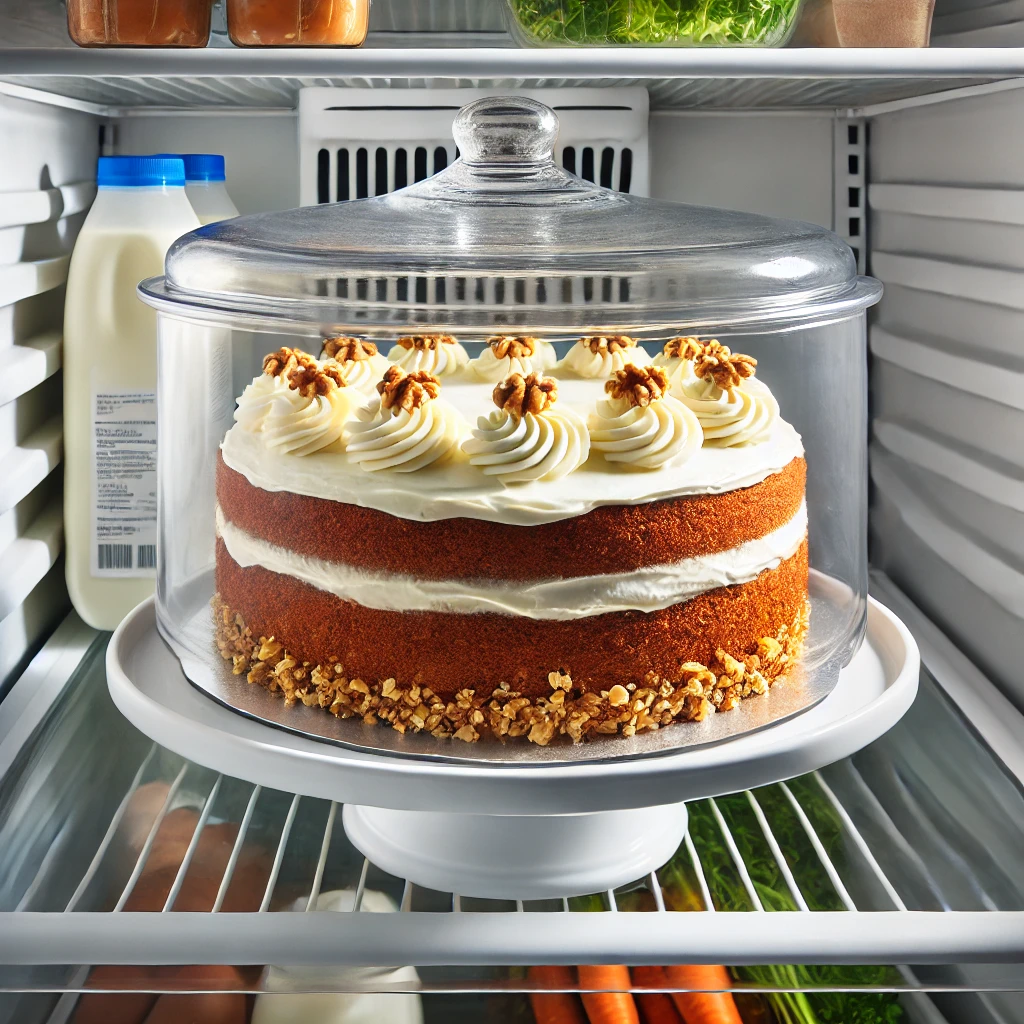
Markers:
{"x": 726, "y": 368}
{"x": 611, "y": 343}
{"x": 282, "y": 362}
{"x": 510, "y": 346}
{"x": 519, "y": 395}
{"x": 639, "y": 385}
{"x": 348, "y": 350}
{"x": 311, "y": 381}
{"x": 400, "y": 390}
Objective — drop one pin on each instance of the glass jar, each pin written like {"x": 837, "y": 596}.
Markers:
{"x": 704, "y": 359}
{"x": 139, "y": 22}
{"x": 298, "y": 22}
{"x": 652, "y": 22}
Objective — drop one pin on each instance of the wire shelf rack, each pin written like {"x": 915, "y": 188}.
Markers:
{"x": 118, "y": 851}
{"x": 737, "y": 78}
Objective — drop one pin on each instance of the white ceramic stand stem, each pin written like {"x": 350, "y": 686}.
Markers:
{"x": 531, "y": 857}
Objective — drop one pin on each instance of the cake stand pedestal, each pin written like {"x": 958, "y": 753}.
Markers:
{"x": 511, "y": 831}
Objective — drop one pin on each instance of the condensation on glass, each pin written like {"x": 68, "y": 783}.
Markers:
{"x": 504, "y": 241}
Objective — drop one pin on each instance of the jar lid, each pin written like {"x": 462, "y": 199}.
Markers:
{"x": 505, "y": 237}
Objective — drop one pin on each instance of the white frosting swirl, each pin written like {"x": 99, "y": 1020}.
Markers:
{"x": 743, "y": 416}
{"x": 301, "y": 426}
{"x": 361, "y": 374}
{"x": 404, "y": 441}
{"x": 584, "y": 362}
{"x": 487, "y": 366}
{"x": 646, "y": 437}
{"x": 438, "y": 360}
{"x": 256, "y": 400}
{"x": 538, "y": 446}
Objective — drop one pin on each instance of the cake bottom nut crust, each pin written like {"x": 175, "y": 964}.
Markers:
{"x": 691, "y": 693}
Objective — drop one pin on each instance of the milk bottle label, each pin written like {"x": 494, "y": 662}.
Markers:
{"x": 123, "y": 483}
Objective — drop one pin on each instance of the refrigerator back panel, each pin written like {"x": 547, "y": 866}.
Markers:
{"x": 355, "y": 143}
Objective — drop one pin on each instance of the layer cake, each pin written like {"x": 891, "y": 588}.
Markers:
{"x": 511, "y": 545}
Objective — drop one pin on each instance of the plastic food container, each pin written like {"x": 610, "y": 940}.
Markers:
{"x": 653, "y": 22}
{"x": 297, "y": 22}
{"x": 139, "y": 22}
{"x": 883, "y": 22}
{"x": 500, "y": 259}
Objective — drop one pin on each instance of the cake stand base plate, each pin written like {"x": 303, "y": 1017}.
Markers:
{"x": 517, "y": 857}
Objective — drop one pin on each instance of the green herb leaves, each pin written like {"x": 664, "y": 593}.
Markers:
{"x": 639, "y": 22}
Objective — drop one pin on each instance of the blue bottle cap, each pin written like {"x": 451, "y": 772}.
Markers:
{"x": 139, "y": 171}
{"x": 201, "y": 166}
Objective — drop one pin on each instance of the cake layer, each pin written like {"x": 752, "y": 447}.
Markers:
{"x": 646, "y": 589}
{"x": 608, "y": 539}
{"x": 450, "y": 652}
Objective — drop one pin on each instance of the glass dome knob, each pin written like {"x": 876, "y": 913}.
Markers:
{"x": 505, "y": 129}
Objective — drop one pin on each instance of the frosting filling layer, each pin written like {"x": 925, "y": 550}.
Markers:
{"x": 646, "y": 589}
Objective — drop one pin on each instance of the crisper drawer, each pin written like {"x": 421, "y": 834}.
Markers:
{"x": 120, "y": 852}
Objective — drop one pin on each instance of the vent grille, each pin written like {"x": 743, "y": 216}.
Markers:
{"x": 358, "y": 173}
{"x": 354, "y": 144}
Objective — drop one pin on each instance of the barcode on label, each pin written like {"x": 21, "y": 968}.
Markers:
{"x": 146, "y": 556}
{"x": 115, "y": 556}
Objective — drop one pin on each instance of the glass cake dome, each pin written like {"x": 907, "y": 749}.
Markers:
{"x": 503, "y": 262}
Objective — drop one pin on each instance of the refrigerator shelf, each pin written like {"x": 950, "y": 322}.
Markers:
{"x": 901, "y": 854}
{"x": 115, "y": 80}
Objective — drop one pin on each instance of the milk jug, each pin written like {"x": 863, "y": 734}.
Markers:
{"x": 110, "y": 384}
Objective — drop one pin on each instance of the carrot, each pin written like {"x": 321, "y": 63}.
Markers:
{"x": 614, "y": 1006}
{"x": 708, "y": 1007}
{"x": 555, "y": 1007}
{"x": 655, "y": 1007}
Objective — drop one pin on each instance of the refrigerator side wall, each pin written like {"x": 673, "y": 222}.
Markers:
{"x": 46, "y": 185}
{"x": 947, "y": 230}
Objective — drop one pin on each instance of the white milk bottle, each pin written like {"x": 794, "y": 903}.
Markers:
{"x": 110, "y": 384}
{"x": 205, "y": 188}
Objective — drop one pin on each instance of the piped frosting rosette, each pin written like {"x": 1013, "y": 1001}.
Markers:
{"x": 719, "y": 387}
{"x": 360, "y": 362}
{"x": 526, "y": 438}
{"x": 642, "y": 426}
{"x": 603, "y": 355}
{"x": 436, "y": 354}
{"x": 408, "y": 429}
{"x": 296, "y": 405}
{"x": 507, "y": 354}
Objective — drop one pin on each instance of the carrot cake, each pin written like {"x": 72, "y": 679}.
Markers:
{"x": 511, "y": 545}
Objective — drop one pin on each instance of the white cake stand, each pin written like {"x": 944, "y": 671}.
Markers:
{"x": 511, "y": 832}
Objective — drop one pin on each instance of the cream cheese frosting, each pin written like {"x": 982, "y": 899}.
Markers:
{"x": 647, "y": 589}
{"x": 461, "y": 489}
{"x": 256, "y": 400}
{"x": 294, "y": 420}
{"x": 601, "y": 357}
{"x": 664, "y": 433}
{"x": 362, "y": 374}
{"x": 542, "y": 446}
{"x": 738, "y": 416}
{"x": 403, "y": 440}
{"x": 437, "y": 354}
{"x": 492, "y": 366}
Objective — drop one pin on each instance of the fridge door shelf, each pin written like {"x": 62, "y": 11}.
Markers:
{"x": 463, "y": 852}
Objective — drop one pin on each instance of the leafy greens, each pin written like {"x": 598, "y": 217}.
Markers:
{"x": 700, "y": 22}
{"x": 811, "y": 1005}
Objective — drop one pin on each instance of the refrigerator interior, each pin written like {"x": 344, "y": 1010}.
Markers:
{"x": 906, "y": 854}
